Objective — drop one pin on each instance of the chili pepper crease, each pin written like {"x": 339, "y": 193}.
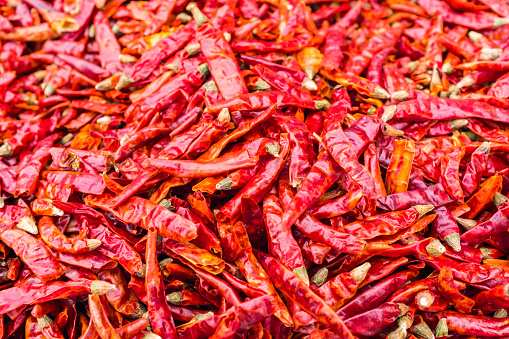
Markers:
{"x": 254, "y": 169}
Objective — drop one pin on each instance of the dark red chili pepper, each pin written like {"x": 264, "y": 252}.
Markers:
{"x": 296, "y": 289}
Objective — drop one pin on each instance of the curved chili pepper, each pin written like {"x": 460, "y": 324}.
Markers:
{"x": 158, "y": 310}
{"x": 301, "y": 294}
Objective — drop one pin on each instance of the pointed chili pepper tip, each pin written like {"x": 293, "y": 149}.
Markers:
{"x": 447, "y": 68}
{"x": 499, "y": 199}
{"x": 467, "y": 223}
{"x": 501, "y": 313}
{"x": 453, "y": 240}
{"x": 399, "y": 333}
{"x": 174, "y": 298}
{"x": 499, "y": 22}
{"x": 322, "y": 105}
{"x": 49, "y": 90}
{"x": 198, "y": 15}
{"x": 390, "y": 131}
{"x": 423, "y": 209}
{"x": 458, "y": 123}
{"x": 141, "y": 272}
{"x": 389, "y": 112}
{"x": 184, "y": 17}
{"x": 92, "y": 244}
{"x": 488, "y": 54}
{"x": 309, "y": 84}
{"x": 27, "y": 224}
{"x": 44, "y": 322}
{"x": 381, "y": 93}
{"x": 225, "y": 184}
{"x": 435, "y": 248}
{"x": 100, "y": 287}
{"x": 485, "y": 147}
{"x": 422, "y": 330}
{"x": 400, "y": 96}
{"x": 359, "y": 273}
{"x": 320, "y": 277}
{"x": 261, "y": 85}
{"x": 151, "y": 335}
{"x": 302, "y": 273}
{"x": 441, "y": 330}
{"x": 125, "y": 80}
{"x": 486, "y": 253}
{"x": 466, "y": 81}
{"x": 5, "y": 150}
{"x": 424, "y": 299}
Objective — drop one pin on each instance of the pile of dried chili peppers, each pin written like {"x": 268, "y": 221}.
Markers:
{"x": 254, "y": 169}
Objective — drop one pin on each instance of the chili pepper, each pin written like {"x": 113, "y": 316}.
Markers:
{"x": 496, "y": 224}
{"x": 483, "y": 196}
{"x": 258, "y": 185}
{"x": 430, "y": 302}
{"x": 83, "y": 182}
{"x": 247, "y": 314}
{"x": 357, "y": 83}
{"x": 310, "y": 302}
{"x": 444, "y": 109}
{"x": 151, "y": 59}
{"x": 466, "y": 324}
{"x": 386, "y": 224}
{"x": 281, "y": 242}
{"x": 158, "y": 310}
{"x": 14, "y": 297}
{"x": 434, "y": 195}
{"x": 112, "y": 245}
{"x": 338, "y": 290}
{"x": 150, "y": 216}
{"x": 299, "y": 78}
{"x": 188, "y": 253}
{"x": 492, "y": 300}
{"x": 219, "y": 56}
{"x": 122, "y": 299}
{"x": 58, "y": 241}
{"x": 445, "y": 286}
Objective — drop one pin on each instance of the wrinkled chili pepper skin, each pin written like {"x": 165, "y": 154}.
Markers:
{"x": 375, "y": 296}
{"x": 221, "y": 61}
{"x": 496, "y": 224}
{"x": 302, "y": 295}
{"x": 149, "y": 216}
{"x": 159, "y": 312}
